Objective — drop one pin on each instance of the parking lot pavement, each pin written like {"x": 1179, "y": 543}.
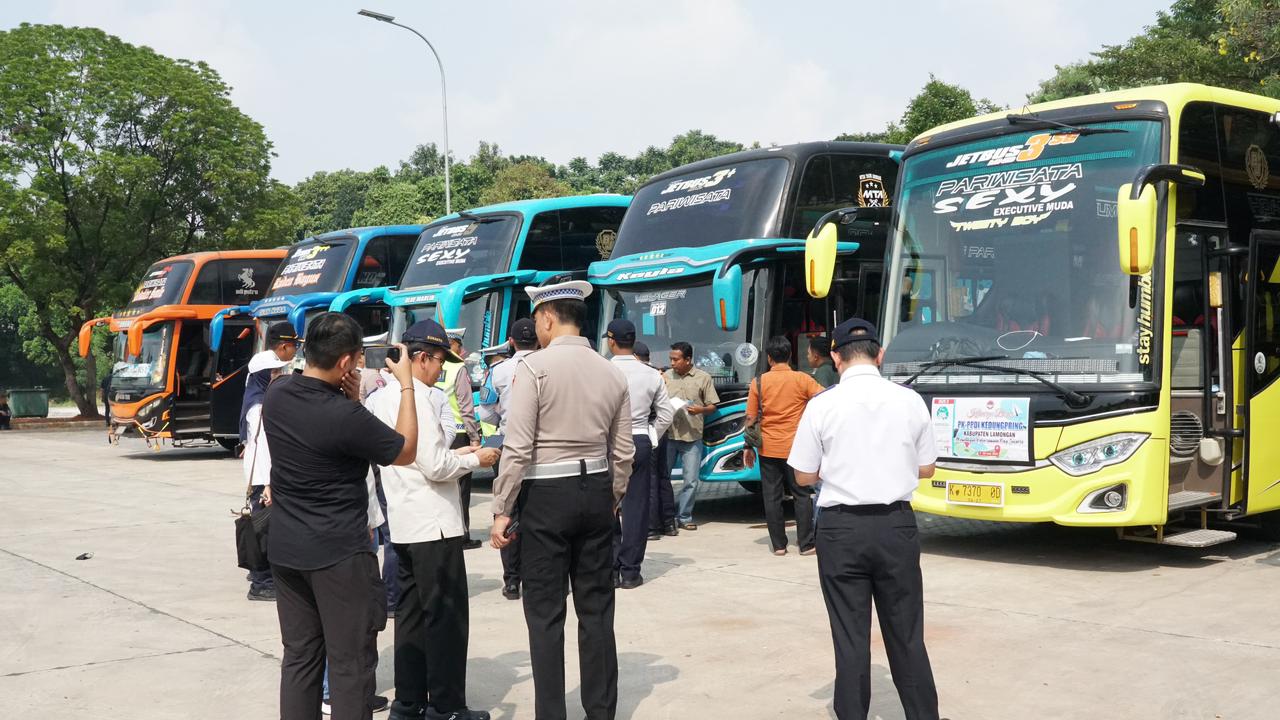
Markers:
{"x": 1022, "y": 621}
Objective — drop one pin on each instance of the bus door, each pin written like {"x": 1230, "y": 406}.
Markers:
{"x": 1261, "y": 367}
{"x": 231, "y": 368}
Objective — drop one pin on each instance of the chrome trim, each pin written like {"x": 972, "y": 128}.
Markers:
{"x": 1099, "y": 416}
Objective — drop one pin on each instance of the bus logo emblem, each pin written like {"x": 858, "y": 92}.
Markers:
{"x": 1255, "y": 164}
{"x": 871, "y": 191}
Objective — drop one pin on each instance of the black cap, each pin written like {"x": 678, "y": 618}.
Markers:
{"x": 853, "y": 330}
{"x": 524, "y": 332}
{"x": 281, "y": 332}
{"x": 429, "y": 332}
{"x": 640, "y": 349}
{"x": 622, "y": 330}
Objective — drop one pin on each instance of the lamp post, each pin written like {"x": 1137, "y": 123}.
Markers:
{"x": 444, "y": 101}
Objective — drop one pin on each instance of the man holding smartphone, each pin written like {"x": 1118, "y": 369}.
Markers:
{"x": 329, "y": 593}
{"x": 424, "y": 511}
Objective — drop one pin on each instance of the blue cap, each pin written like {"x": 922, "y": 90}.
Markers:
{"x": 622, "y": 330}
{"x": 853, "y": 330}
{"x": 429, "y": 332}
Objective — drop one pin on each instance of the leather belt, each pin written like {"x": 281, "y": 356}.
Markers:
{"x": 568, "y": 468}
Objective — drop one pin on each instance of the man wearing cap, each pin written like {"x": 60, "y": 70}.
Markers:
{"x": 870, "y": 442}
{"x": 648, "y": 393}
{"x": 524, "y": 338}
{"x": 695, "y": 389}
{"x": 282, "y": 346}
{"x": 662, "y": 500}
{"x": 455, "y": 382}
{"x": 424, "y": 512}
{"x": 567, "y": 456}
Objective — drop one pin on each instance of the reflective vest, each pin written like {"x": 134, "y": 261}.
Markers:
{"x": 447, "y": 384}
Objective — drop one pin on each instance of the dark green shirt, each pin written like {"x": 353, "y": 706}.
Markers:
{"x": 825, "y": 374}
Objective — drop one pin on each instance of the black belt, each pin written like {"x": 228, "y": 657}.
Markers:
{"x": 869, "y": 509}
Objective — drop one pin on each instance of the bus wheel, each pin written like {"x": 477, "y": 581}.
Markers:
{"x": 230, "y": 444}
{"x": 751, "y": 486}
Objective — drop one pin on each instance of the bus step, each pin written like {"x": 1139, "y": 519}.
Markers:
{"x": 1199, "y": 538}
{"x": 1192, "y": 499}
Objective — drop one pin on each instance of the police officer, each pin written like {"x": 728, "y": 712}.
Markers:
{"x": 870, "y": 442}
{"x": 524, "y": 339}
{"x": 567, "y": 456}
{"x": 455, "y": 382}
{"x": 648, "y": 393}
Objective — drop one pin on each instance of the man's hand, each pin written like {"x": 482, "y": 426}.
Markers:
{"x": 351, "y": 385}
{"x": 266, "y": 494}
{"x": 497, "y": 535}
{"x": 465, "y": 450}
{"x": 749, "y": 457}
{"x": 401, "y": 368}
{"x": 488, "y": 456}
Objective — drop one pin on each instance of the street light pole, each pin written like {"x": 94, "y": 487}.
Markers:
{"x": 444, "y": 98}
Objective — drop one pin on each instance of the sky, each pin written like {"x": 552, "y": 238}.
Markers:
{"x": 569, "y": 78}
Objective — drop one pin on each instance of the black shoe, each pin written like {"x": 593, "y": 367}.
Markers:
{"x": 511, "y": 591}
{"x": 671, "y": 530}
{"x": 378, "y": 703}
{"x": 391, "y": 613}
{"x": 471, "y": 544}
{"x": 655, "y": 534}
{"x": 630, "y": 583}
{"x": 405, "y": 711}
{"x": 263, "y": 594}
{"x": 463, "y": 714}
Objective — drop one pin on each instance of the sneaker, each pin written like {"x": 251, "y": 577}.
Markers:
{"x": 463, "y": 714}
{"x": 401, "y": 710}
{"x": 262, "y": 594}
{"x": 378, "y": 703}
{"x": 511, "y": 591}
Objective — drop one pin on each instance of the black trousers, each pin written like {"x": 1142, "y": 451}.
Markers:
{"x": 511, "y": 553}
{"x": 867, "y": 552}
{"x": 567, "y": 525}
{"x": 335, "y": 611}
{"x": 777, "y": 479}
{"x": 632, "y": 537}
{"x": 432, "y": 622}
{"x": 662, "y": 499}
{"x": 464, "y": 486}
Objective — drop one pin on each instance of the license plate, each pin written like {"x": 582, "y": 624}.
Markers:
{"x": 972, "y": 493}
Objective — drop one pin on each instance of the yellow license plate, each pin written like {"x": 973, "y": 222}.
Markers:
{"x": 967, "y": 493}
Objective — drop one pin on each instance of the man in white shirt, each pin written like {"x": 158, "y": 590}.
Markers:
{"x": 870, "y": 442}
{"x": 524, "y": 338}
{"x": 257, "y": 460}
{"x": 648, "y": 393}
{"x": 424, "y": 512}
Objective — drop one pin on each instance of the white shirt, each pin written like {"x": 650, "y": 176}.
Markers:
{"x": 500, "y": 377}
{"x": 257, "y": 456}
{"x": 423, "y": 502}
{"x": 436, "y": 400}
{"x": 648, "y": 395}
{"x": 867, "y": 438}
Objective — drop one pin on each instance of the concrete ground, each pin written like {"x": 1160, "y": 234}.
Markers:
{"x": 1022, "y": 621}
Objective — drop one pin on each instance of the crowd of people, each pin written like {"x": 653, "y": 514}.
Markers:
{"x": 349, "y": 458}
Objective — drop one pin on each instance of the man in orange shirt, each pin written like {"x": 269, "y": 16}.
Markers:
{"x": 782, "y": 394}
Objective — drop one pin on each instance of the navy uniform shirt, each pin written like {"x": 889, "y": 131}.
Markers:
{"x": 321, "y": 447}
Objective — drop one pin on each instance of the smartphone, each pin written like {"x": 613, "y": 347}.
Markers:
{"x": 393, "y": 354}
{"x": 511, "y": 528}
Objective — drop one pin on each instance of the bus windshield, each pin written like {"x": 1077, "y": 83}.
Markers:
{"x": 1006, "y": 248}
{"x": 735, "y": 202}
{"x": 162, "y": 285}
{"x": 315, "y": 266}
{"x": 148, "y": 369}
{"x": 459, "y": 248}
{"x": 664, "y": 315}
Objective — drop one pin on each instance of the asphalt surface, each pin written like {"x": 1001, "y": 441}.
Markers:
{"x": 1022, "y": 621}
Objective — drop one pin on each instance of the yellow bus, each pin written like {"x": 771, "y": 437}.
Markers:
{"x": 1087, "y": 295}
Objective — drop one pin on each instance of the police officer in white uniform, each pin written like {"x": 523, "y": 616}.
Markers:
{"x": 870, "y": 442}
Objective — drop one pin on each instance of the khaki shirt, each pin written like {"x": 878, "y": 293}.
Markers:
{"x": 567, "y": 403}
{"x": 696, "y": 388}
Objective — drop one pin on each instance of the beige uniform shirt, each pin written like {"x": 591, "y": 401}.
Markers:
{"x": 567, "y": 403}
{"x": 696, "y": 388}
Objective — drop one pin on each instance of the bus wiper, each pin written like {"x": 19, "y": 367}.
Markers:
{"x": 465, "y": 215}
{"x": 1031, "y": 119}
{"x": 1074, "y": 399}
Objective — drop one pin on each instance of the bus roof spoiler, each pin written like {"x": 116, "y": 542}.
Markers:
{"x": 726, "y": 284}
{"x": 86, "y": 333}
{"x": 146, "y": 320}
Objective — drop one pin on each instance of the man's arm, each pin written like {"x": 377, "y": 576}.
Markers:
{"x": 407, "y": 418}
{"x": 709, "y": 396}
{"x": 466, "y": 406}
{"x": 622, "y": 447}
{"x": 806, "y": 450}
{"x": 517, "y": 451}
{"x": 926, "y": 446}
{"x": 663, "y": 414}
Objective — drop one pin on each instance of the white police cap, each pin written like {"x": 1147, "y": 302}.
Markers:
{"x": 455, "y": 333}
{"x": 571, "y": 290}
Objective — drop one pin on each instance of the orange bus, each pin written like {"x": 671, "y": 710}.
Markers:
{"x": 167, "y": 383}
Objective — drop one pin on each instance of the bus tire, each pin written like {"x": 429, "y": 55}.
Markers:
{"x": 751, "y": 486}
{"x": 229, "y": 444}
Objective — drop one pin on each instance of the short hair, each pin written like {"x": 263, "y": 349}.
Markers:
{"x": 643, "y": 355}
{"x": 330, "y": 337}
{"x": 686, "y": 350}
{"x": 624, "y": 344}
{"x": 778, "y": 348}
{"x": 869, "y": 349}
{"x": 527, "y": 345}
{"x": 820, "y": 344}
{"x": 568, "y": 311}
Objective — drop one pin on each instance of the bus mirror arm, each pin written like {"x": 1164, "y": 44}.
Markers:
{"x": 1137, "y": 217}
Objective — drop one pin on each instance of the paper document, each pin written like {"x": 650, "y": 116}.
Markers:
{"x": 677, "y": 404}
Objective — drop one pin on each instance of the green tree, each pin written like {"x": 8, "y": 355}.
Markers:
{"x": 523, "y": 181}
{"x": 112, "y": 156}
{"x": 1251, "y": 38}
{"x": 393, "y": 203}
{"x": 936, "y": 104}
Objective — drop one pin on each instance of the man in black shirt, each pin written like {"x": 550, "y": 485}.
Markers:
{"x": 329, "y": 594}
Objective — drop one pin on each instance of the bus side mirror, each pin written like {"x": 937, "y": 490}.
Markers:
{"x": 449, "y": 304}
{"x": 1136, "y": 216}
{"x": 85, "y": 337}
{"x": 820, "y": 259}
{"x": 726, "y": 292}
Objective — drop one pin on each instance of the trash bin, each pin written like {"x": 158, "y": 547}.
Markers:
{"x": 29, "y": 402}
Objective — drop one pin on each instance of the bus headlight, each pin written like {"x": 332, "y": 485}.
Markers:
{"x": 717, "y": 432}
{"x": 1094, "y": 455}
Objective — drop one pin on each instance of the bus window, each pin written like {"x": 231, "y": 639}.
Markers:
{"x": 235, "y": 350}
{"x": 799, "y": 315}
{"x": 384, "y": 260}
{"x": 244, "y": 281}
{"x": 207, "y": 289}
{"x": 566, "y": 239}
{"x": 1198, "y": 146}
{"x": 1189, "y": 326}
{"x": 1266, "y": 316}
